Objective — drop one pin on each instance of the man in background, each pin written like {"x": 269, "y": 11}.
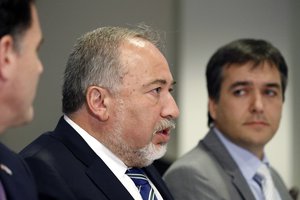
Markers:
{"x": 118, "y": 115}
{"x": 20, "y": 68}
{"x": 246, "y": 82}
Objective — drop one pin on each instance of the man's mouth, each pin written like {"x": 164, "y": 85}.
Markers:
{"x": 164, "y": 132}
{"x": 162, "y": 136}
{"x": 256, "y": 123}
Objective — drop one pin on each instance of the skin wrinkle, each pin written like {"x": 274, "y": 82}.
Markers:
{"x": 134, "y": 96}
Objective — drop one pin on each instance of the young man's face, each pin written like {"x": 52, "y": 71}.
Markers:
{"x": 250, "y": 105}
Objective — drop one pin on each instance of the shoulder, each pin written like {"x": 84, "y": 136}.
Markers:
{"x": 196, "y": 165}
{"x": 191, "y": 161}
{"x": 48, "y": 155}
{"x": 280, "y": 185}
{"x": 201, "y": 174}
{"x": 16, "y": 176}
{"x": 10, "y": 161}
{"x": 45, "y": 143}
{"x": 49, "y": 160}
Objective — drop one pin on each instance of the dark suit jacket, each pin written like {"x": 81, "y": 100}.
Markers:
{"x": 15, "y": 176}
{"x": 209, "y": 172}
{"x": 66, "y": 168}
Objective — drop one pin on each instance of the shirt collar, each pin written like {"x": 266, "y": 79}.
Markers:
{"x": 247, "y": 162}
{"x": 111, "y": 160}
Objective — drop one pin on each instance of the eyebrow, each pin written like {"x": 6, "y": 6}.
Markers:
{"x": 159, "y": 81}
{"x": 239, "y": 83}
{"x": 273, "y": 85}
{"x": 247, "y": 83}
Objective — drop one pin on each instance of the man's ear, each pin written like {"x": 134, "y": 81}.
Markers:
{"x": 7, "y": 56}
{"x": 97, "y": 99}
{"x": 212, "y": 108}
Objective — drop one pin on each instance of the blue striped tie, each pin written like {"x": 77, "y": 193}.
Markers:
{"x": 141, "y": 182}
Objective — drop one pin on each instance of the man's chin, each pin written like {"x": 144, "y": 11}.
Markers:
{"x": 162, "y": 149}
{"x": 153, "y": 152}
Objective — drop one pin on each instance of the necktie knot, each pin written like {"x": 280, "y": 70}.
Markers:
{"x": 138, "y": 176}
{"x": 262, "y": 175}
{"x": 141, "y": 181}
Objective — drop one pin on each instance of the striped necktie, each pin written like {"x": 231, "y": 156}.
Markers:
{"x": 141, "y": 181}
{"x": 264, "y": 179}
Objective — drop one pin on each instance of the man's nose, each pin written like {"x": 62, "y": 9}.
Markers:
{"x": 257, "y": 104}
{"x": 170, "y": 108}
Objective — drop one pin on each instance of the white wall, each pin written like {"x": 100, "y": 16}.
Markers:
{"x": 205, "y": 26}
{"x": 296, "y": 92}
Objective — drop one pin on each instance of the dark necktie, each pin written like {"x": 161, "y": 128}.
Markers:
{"x": 141, "y": 181}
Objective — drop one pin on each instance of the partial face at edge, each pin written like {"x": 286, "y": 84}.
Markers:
{"x": 27, "y": 71}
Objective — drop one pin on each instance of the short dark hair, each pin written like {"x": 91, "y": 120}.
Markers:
{"x": 15, "y": 17}
{"x": 240, "y": 52}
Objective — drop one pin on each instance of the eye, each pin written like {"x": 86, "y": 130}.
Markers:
{"x": 239, "y": 92}
{"x": 157, "y": 90}
{"x": 270, "y": 92}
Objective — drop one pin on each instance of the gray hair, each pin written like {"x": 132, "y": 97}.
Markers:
{"x": 94, "y": 60}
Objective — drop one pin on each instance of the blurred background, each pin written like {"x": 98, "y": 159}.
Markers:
{"x": 192, "y": 30}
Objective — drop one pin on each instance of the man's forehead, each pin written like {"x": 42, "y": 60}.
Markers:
{"x": 138, "y": 42}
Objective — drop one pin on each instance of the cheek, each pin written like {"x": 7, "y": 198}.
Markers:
{"x": 140, "y": 118}
{"x": 230, "y": 114}
{"x": 139, "y": 128}
{"x": 275, "y": 113}
{"x": 226, "y": 108}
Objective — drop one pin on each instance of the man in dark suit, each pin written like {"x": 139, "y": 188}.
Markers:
{"x": 246, "y": 81}
{"x": 20, "y": 68}
{"x": 118, "y": 114}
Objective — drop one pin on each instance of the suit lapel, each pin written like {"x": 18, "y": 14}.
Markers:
{"x": 6, "y": 173}
{"x": 96, "y": 170}
{"x": 280, "y": 186}
{"x": 106, "y": 181}
{"x": 74, "y": 142}
{"x": 212, "y": 143}
{"x": 7, "y": 184}
{"x": 155, "y": 178}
